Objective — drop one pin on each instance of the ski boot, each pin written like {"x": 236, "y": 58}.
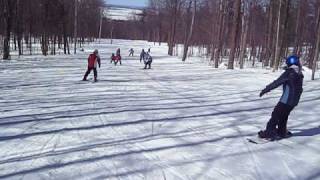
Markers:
{"x": 265, "y": 135}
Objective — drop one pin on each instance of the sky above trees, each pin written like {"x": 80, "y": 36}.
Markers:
{"x": 128, "y": 2}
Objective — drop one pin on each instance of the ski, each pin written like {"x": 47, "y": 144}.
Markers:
{"x": 257, "y": 140}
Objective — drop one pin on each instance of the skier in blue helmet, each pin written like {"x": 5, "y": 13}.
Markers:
{"x": 292, "y": 81}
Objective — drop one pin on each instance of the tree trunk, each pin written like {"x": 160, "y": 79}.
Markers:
{"x": 189, "y": 30}
{"x": 54, "y": 45}
{"x": 75, "y": 25}
{"x": 235, "y": 32}
{"x": 278, "y": 41}
{"x": 19, "y": 30}
{"x": 100, "y": 25}
{"x": 245, "y": 26}
{"x": 65, "y": 37}
{"x": 173, "y": 25}
{"x": 160, "y": 30}
{"x": 8, "y": 13}
{"x": 269, "y": 44}
{"x": 297, "y": 29}
{"x": 111, "y": 32}
{"x": 311, "y": 54}
{"x": 44, "y": 40}
{"x": 317, "y": 47}
{"x": 220, "y": 34}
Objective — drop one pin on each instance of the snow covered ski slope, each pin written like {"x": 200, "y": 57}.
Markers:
{"x": 175, "y": 121}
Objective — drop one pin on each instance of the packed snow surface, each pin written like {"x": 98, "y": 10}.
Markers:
{"x": 174, "y": 121}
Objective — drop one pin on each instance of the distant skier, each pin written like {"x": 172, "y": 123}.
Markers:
{"x": 118, "y": 59}
{"x": 142, "y": 54}
{"x": 131, "y": 52}
{"x": 149, "y": 50}
{"x": 113, "y": 58}
{"x": 118, "y": 56}
{"x": 93, "y": 61}
{"x": 118, "y": 52}
{"x": 147, "y": 61}
{"x": 292, "y": 81}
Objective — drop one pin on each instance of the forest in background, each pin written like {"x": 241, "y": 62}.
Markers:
{"x": 27, "y": 23}
{"x": 237, "y": 30}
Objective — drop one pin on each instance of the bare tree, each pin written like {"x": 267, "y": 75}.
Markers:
{"x": 245, "y": 28}
{"x": 174, "y": 6}
{"x": 75, "y": 25}
{"x": 234, "y": 32}
{"x": 281, "y": 24}
{"x": 221, "y": 27}
{"x": 19, "y": 25}
{"x": 317, "y": 45}
{"x": 47, "y": 22}
{"x": 8, "y": 17}
{"x": 278, "y": 41}
{"x": 189, "y": 27}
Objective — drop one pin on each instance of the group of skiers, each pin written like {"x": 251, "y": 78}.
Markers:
{"x": 291, "y": 80}
{"x": 94, "y": 61}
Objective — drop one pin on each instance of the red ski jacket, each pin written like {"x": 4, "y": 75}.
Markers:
{"x": 118, "y": 58}
{"x": 93, "y": 60}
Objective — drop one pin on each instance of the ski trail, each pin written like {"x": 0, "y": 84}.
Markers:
{"x": 175, "y": 121}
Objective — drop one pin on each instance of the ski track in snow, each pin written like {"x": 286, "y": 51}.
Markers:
{"x": 175, "y": 121}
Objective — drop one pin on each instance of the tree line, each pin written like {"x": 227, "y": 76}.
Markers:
{"x": 239, "y": 30}
{"x": 52, "y": 24}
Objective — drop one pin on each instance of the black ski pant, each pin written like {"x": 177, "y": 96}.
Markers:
{"x": 116, "y": 62}
{"x": 88, "y": 72}
{"x": 279, "y": 118}
{"x": 147, "y": 64}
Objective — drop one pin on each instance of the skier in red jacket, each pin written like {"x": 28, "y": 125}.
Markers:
{"x": 113, "y": 58}
{"x": 118, "y": 59}
{"x": 93, "y": 61}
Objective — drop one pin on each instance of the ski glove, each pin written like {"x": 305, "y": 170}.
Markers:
{"x": 263, "y": 92}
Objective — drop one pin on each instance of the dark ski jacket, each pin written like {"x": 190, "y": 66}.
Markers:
{"x": 147, "y": 58}
{"x": 142, "y": 54}
{"x": 292, "y": 81}
{"x": 118, "y": 52}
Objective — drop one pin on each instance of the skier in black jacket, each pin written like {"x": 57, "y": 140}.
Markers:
{"x": 147, "y": 61}
{"x": 292, "y": 80}
{"x": 142, "y": 55}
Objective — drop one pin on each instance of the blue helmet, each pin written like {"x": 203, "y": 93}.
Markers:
{"x": 292, "y": 60}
